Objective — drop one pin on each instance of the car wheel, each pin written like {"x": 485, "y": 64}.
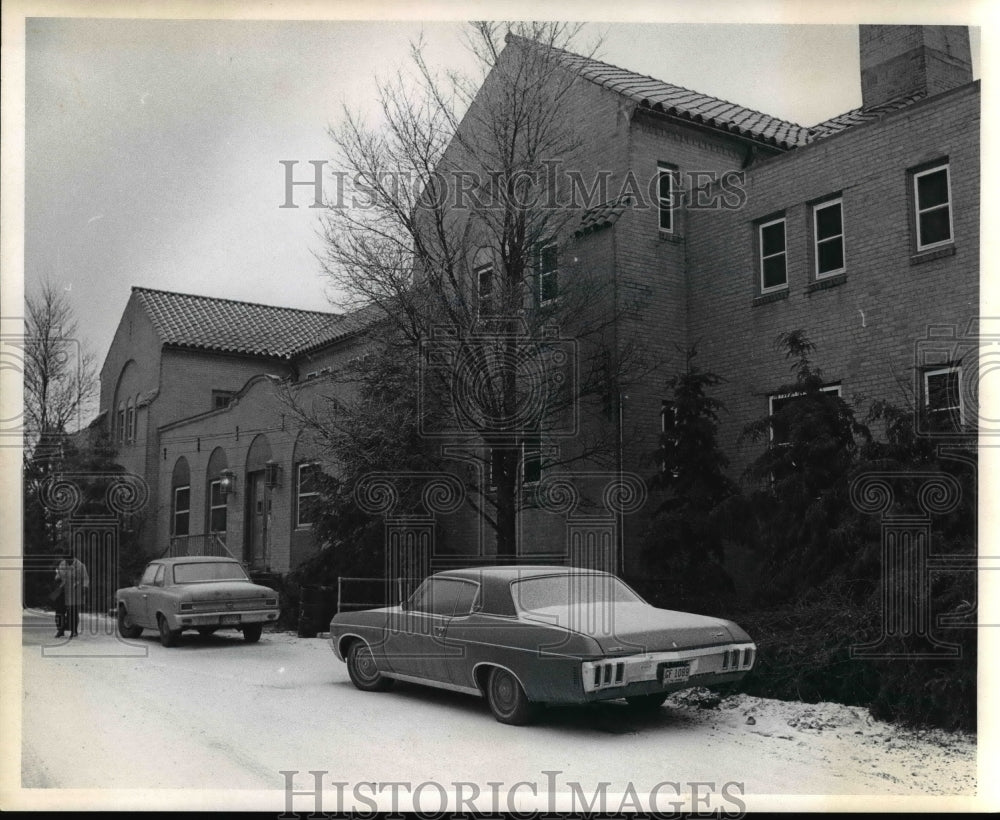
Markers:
{"x": 126, "y": 628}
{"x": 507, "y": 700}
{"x": 363, "y": 670}
{"x": 168, "y": 636}
{"x": 646, "y": 703}
{"x": 205, "y": 631}
{"x": 252, "y": 632}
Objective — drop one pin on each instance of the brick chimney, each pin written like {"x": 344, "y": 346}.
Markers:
{"x": 902, "y": 60}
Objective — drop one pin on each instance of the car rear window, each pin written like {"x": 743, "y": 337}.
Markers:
{"x": 208, "y": 571}
{"x": 571, "y": 589}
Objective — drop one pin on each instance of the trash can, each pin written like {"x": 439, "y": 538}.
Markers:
{"x": 316, "y": 606}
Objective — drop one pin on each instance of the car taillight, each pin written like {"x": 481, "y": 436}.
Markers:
{"x": 605, "y": 674}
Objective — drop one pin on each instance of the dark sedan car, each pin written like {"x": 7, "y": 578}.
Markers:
{"x": 526, "y": 635}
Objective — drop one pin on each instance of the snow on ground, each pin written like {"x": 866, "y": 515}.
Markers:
{"x": 931, "y": 761}
{"x": 219, "y": 713}
{"x": 921, "y": 758}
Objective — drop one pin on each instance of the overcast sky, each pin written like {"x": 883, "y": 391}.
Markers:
{"x": 153, "y": 147}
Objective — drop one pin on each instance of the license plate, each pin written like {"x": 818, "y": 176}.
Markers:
{"x": 229, "y": 619}
{"x": 674, "y": 673}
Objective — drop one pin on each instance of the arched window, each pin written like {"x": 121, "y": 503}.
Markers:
{"x": 124, "y": 404}
{"x": 216, "y": 504}
{"x": 257, "y": 499}
{"x": 120, "y": 423}
{"x": 130, "y": 420}
{"x": 180, "y": 504}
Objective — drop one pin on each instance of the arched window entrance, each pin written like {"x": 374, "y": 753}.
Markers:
{"x": 258, "y": 506}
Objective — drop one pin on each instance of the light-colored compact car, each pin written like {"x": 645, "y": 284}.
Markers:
{"x": 527, "y": 635}
{"x": 195, "y": 592}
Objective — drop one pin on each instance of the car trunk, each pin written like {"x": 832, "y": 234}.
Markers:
{"x": 632, "y": 627}
{"x": 224, "y": 591}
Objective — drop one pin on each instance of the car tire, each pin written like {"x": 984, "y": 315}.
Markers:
{"x": 507, "y": 700}
{"x": 252, "y": 632}
{"x": 363, "y": 670}
{"x": 646, "y": 703}
{"x": 168, "y": 636}
{"x": 126, "y": 628}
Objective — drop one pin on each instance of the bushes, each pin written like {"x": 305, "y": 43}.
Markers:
{"x": 804, "y": 653}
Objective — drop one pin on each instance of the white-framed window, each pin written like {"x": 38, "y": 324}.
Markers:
{"x": 182, "y": 510}
{"x": 943, "y": 398}
{"x": 484, "y": 290}
{"x": 828, "y": 237}
{"x": 773, "y": 256}
{"x": 666, "y": 189}
{"x": 548, "y": 272}
{"x": 218, "y": 513}
{"x": 777, "y": 401}
{"x": 306, "y": 494}
{"x": 932, "y": 207}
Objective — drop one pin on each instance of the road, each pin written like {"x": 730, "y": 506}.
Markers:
{"x": 217, "y": 713}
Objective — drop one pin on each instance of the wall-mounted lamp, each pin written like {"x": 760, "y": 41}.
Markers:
{"x": 272, "y": 474}
{"x": 227, "y": 482}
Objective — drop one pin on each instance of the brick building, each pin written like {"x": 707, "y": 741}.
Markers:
{"x": 719, "y": 226}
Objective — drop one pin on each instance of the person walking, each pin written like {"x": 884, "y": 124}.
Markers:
{"x": 75, "y": 581}
{"x": 58, "y": 598}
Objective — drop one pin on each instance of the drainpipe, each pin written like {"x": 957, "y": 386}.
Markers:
{"x": 620, "y": 546}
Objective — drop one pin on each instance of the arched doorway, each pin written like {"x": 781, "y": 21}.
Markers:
{"x": 256, "y": 540}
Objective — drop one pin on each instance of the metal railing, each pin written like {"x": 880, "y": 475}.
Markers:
{"x": 378, "y": 591}
{"x": 205, "y": 543}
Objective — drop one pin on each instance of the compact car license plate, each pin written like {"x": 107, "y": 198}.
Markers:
{"x": 673, "y": 672}
{"x": 230, "y": 619}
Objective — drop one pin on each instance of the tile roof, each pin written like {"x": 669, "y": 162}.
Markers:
{"x": 703, "y": 109}
{"x": 603, "y": 216}
{"x": 856, "y": 116}
{"x": 682, "y": 102}
{"x": 228, "y": 326}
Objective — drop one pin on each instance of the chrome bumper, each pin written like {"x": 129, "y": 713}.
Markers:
{"x": 192, "y": 620}
{"x": 612, "y": 673}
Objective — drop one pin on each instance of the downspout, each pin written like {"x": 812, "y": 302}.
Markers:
{"x": 619, "y": 529}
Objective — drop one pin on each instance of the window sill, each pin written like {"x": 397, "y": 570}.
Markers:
{"x": 764, "y": 298}
{"x": 936, "y": 253}
{"x": 827, "y": 282}
{"x": 673, "y": 238}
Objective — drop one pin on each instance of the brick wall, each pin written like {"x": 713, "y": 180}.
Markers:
{"x": 867, "y": 326}
{"x": 651, "y": 275}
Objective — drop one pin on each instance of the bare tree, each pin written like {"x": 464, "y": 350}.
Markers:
{"x": 60, "y": 374}
{"x": 455, "y": 241}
